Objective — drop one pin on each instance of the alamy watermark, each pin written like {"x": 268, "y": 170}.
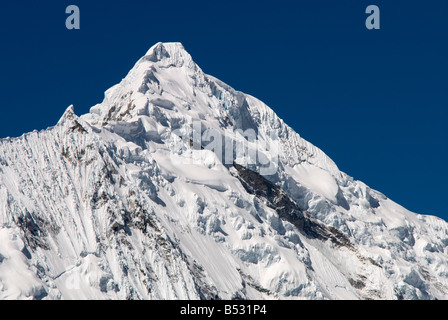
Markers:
{"x": 188, "y": 144}
{"x": 373, "y": 20}
{"x": 73, "y": 21}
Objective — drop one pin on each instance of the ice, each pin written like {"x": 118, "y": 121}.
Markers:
{"x": 125, "y": 202}
{"x": 17, "y": 279}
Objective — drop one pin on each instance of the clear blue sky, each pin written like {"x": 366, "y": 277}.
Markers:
{"x": 376, "y": 101}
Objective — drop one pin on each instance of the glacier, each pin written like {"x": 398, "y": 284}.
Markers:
{"x": 126, "y": 202}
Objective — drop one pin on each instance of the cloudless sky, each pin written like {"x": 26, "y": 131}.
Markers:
{"x": 376, "y": 101}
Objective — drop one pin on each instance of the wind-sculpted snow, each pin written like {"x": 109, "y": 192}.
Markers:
{"x": 177, "y": 186}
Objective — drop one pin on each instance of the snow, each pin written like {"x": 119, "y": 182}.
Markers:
{"x": 114, "y": 205}
{"x": 17, "y": 280}
{"x": 316, "y": 179}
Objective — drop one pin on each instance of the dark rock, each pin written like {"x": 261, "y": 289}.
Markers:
{"x": 287, "y": 209}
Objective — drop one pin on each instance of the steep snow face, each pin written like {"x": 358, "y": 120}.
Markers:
{"x": 177, "y": 186}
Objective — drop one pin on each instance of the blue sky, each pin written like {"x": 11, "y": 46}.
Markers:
{"x": 376, "y": 101}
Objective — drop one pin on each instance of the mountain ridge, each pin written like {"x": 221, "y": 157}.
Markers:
{"x": 177, "y": 186}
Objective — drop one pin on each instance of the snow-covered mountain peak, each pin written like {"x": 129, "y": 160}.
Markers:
{"x": 172, "y": 53}
{"x": 71, "y": 122}
{"x": 69, "y": 114}
{"x": 177, "y": 186}
{"x": 167, "y": 69}
{"x": 166, "y": 88}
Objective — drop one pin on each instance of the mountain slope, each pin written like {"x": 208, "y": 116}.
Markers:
{"x": 177, "y": 186}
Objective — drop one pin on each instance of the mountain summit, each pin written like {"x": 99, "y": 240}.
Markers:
{"x": 177, "y": 186}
